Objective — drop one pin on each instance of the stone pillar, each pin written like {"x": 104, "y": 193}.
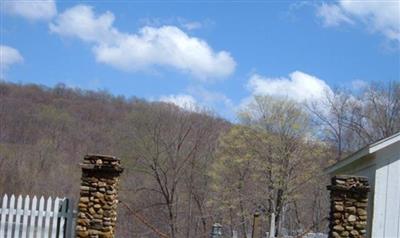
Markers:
{"x": 98, "y": 197}
{"x": 349, "y": 201}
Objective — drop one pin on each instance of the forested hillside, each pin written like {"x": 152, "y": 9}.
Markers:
{"x": 185, "y": 170}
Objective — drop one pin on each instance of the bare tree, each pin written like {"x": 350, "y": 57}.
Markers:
{"x": 331, "y": 114}
{"x": 349, "y": 121}
{"x": 168, "y": 144}
{"x": 377, "y": 114}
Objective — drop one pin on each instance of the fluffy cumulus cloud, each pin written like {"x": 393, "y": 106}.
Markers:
{"x": 378, "y": 16}
{"x": 184, "y": 101}
{"x": 298, "y": 86}
{"x": 8, "y": 57}
{"x": 166, "y": 46}
{"x": 31, "y": 9}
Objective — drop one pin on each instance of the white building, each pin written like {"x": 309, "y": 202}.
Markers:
{"x": 380, "y": 162}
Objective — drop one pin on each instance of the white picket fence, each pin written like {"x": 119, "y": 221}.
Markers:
{"x": 36, "y": 218}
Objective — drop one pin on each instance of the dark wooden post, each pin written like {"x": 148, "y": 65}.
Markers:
{"x": 216, "y": 231}
{"x": 349, "y": 201}
{"x": 98, "y": 197}
{"x": 256, "y": 232}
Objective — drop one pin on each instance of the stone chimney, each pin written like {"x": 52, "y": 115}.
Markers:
{"x": 349, "y": 202}
{"x": 98, "y": 197}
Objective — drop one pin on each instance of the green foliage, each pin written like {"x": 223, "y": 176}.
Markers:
{"x": 266, "y": 162}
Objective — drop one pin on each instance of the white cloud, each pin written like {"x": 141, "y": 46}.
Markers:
{"x": 298, "y": 86}
{"x": 378, "y": 16}
{"x": 210, "y": 98}
{"x": 332, "y": 15}
{"x": 214, "y": 101}
{"x": 359, "y": 84}
{"x": 184, "y": 101}
{"x": 178, "y": 21}
{"x": 31, "y": 9}
{"x": 191, "y": 25}
{"x": 166, "y": 46}
{"x": 8, "y": 57}
{"x": 200, "y": 99}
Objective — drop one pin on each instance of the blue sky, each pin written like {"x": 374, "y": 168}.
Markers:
{"x": 210, "y": 53}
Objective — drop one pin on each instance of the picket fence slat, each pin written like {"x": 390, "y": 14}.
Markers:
{"x": 55, "y": 220}
{"x": 3, "y": 216}
{"x": 40, "y": 217}
{"x": 18, "y": 214}
{"x": 32, "y": 231}
{"x": 63, "y": 213}
{"x": 47, "y": 218}
{"x": 25, "y": 218}
{"x": 11, "y": 216}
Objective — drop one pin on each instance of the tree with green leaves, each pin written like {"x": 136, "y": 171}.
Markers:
{"x": 266, "y": 162}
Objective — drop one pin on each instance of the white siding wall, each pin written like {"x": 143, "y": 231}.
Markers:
{"x": 369, "y": 172}
{"x": 386, "y": 216}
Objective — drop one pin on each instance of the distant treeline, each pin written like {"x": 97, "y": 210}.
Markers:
{"x": 188, "y": 169}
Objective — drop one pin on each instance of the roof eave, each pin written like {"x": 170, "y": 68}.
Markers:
{"x": 349, "y": 160}
{"x": 369, "y": 149}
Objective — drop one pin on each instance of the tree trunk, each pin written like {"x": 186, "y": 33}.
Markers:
{"x": 279, "y": 205}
